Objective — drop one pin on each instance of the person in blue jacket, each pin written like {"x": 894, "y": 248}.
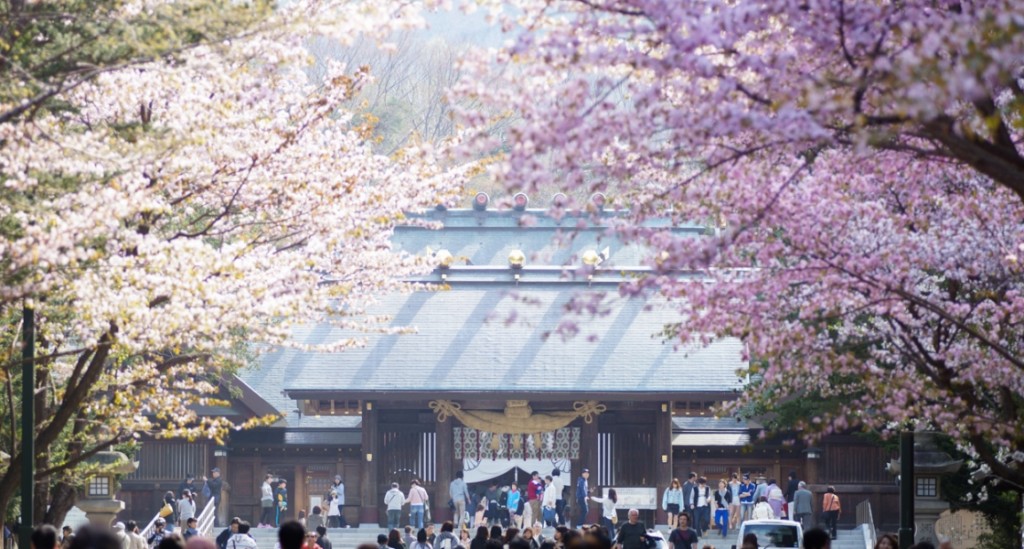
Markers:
{"x": 582, "y": 493}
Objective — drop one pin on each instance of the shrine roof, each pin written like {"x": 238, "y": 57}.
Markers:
{"x": 499, "y": 339}
{"x": 486, "y": 238}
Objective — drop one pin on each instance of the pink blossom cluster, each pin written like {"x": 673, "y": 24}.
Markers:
{"x": 858, "y": 165}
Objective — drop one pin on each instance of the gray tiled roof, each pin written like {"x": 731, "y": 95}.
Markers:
{"x": 486, "y": 339}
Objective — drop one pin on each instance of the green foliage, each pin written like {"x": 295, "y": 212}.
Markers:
{"x": 52, "y": 46}
{"x": 1000, "y": 503}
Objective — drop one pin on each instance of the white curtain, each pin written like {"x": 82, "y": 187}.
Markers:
{"x": 486, "y": 469}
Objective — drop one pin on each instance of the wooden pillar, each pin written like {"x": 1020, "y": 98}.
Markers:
{"x": 221, "y": 462}
{"x": 588, "y": 460}
{"x": 445, "y": 442}
{"x": 298, "y": 493}
{"x": 369, "y": 482}
{"x": 662, "y": 455}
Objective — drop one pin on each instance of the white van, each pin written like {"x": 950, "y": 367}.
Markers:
{"x": 772, "y": 533}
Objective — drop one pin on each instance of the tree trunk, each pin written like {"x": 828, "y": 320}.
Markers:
{"x": 63, "y": 499}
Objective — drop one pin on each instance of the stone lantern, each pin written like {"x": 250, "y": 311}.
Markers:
{"x": 97, "y": 500}
{"x": 930, "y": 464}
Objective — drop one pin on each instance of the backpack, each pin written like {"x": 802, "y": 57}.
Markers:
{"x": 775, "y": 493}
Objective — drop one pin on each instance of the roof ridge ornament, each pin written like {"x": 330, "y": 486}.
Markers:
{"x": 504, "y": 423}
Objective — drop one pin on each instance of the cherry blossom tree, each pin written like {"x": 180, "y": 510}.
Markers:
{"x": 172, "y": 204}
{"x": 860, "y": 164}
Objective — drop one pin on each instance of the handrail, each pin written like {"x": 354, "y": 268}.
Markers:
{"x": 867, "y": 519}
{"x": 148, "y": 530}
{"x": 204, "y": 524}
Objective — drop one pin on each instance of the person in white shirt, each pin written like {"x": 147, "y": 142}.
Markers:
{"x": 700, "y": 500}
{"x": 186, "y": 509}
{"x": 333, "y": 511}
{"x": 394, "y": 500}
{"x": 547, "y": 503}
{"x": 608, "y": 516}
{"x": 762, "y": 511}
{"x": 559, "y": 487}
{"x": 122, "y": 536}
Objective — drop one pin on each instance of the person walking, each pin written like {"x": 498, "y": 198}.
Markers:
{"x": 776, "y": 498}
{"x": 792, "y": 485}
{"x": 169, "y": 510}
{"x": 417, "y": 501}
{"x": 534, "y": 492}
{"x": 280, "y": 501}
{"x": 549, "y": 512}
{"x": 459, "y": 494}
{"x": 609, "y": 518}
{"x": 802, "y": 505}
{"x": 734, "y": 505}
{"x": 515, "y": 504}
{"x": 723, "y": 499}
{"x": 186, "y": 508}
{"x": 688, "y": 487}
{"x": 338, "y": 493}
{"x": 266, "y": 502}
{"x": 831, "y": 508}
{"x": 761, "y": 490}
{"x": 700, "y": 502}
{"x": 633, "y": 534}
{"x": 582, "y": 493}
{"x": 672, "y": 501}
{"x": 683, "y": 537}
{"x": 393, "y": 500}
{"x": 747, "y": 488}
{"x": 559, "y": 487}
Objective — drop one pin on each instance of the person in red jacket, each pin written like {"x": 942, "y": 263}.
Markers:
{"x": 534, "y": 491}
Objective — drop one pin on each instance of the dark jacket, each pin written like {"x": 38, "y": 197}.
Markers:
{"x": 791, "y": 488}
{"x": 581, "y": 490}
{"x": 632, "y": 536}
{"x": 223, "y": 537}
{"x": 688, "y": 494}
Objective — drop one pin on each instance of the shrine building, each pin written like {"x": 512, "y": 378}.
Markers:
{"x": 498, "y": 377}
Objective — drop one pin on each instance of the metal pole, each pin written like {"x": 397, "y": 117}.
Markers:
{"x": 28, "y": 385}
{"x": 906, "y": 489}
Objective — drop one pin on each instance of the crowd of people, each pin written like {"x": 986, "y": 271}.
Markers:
{"x": 509, "y": 517}
{"x": 632, "y": 534}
